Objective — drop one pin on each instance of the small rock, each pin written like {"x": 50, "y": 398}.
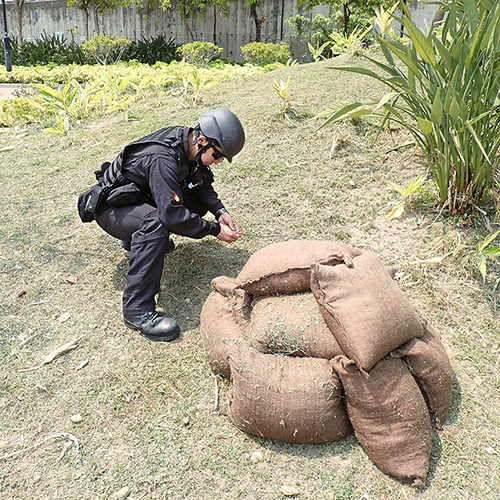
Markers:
{"x": 289, "y": 491}
{"x": 76, "y": 419}
{"x": 185, "y": 421}
{"x": 256, "y": 456}
{"x": 121, "y": 494}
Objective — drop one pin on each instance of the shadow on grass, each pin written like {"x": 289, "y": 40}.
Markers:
{"x": 187, "y": 274}
{"x": 311, "y": 451}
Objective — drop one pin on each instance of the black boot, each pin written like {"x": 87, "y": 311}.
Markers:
{"x": 154, "y": 326}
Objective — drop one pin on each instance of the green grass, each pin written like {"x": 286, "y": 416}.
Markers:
{"x": 135, "y": 396}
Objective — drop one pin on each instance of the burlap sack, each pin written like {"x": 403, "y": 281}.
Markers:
{"x": 389, "y": 416}
{"x": 291, "y": 325}
{"x": 221, "y": 318}
{"x": 296, "y": 400}
{"x": 364, "y": 308}
{"x": 285, "y": 267}
{"x": 430, "y": 365}
{"x": 241, "y": 306}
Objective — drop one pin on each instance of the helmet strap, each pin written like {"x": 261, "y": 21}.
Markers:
{"x": 201, "y": 150}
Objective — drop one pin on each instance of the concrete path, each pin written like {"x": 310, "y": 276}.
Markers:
{"x": 6, "y": 89}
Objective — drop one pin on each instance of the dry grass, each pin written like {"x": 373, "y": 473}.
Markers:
{"x": 148, "y": 419}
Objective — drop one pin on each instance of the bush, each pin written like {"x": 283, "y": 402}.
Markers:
{"x": 154, "y": 50}
{"x": 46, "y": 50}
{"x": 265, "y": 53}
{"x": 453, "y": 112}
{"x": 105, "y": 49}
{"x": 200, "y": 53}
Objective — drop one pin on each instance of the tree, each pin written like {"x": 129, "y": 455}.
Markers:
{"x": 97, "y": 7}
{"x": 348, "y": 7}
{"x": 18, "y": 7}
{"x": 196, "y": 8}
{"x": 259, "y": 21}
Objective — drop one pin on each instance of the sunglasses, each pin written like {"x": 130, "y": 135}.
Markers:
{"x": 216, "y": 154}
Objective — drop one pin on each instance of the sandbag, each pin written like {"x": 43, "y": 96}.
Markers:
{"x": 285, "y": 267}
{"x": 296, "y": 400}
{"x": 241, "y": 305}
{"x": 389, "y": 416}
{"x": 291, "y": 325}
{"x": 222, "y": 317}
{"x": 430, "y": 365}
{"x": 364, "y": 308}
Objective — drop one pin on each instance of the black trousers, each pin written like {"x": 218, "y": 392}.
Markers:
{"x": 148, "y": 237}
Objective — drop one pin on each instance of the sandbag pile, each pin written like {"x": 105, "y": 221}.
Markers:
{"x": 318, "y": 340}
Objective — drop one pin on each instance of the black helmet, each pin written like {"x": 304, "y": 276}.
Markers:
{"x": 224, "y": 127}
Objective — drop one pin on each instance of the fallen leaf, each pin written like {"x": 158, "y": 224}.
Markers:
{"x": 83, "y": 364}
{"x": 72, "y": 279}
{"x": 103, "y": 468}
{"x": 54, "y": 354}
{"x": 64, "y": 317}
{"x": 289, "y": 491}
{"x": 490, "y": 450}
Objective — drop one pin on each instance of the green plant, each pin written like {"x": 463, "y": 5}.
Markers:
{"x": 350, "y": 44}
{"x": 63, "y": 125}
{"x": 414, "y": 187}
{"x": 383, "y": 21}
{"x": 105, "y": 49}
{"x": 64, "y": 100}
{"x": 283, "y": 90}
{"x": 484, "y": 250}
{"x": 150, "y": 51}
{"x": 200, "y": 53}
{"x": 49, "y": 49}
{"x": 317, "y": 52}
{"x": 265, "y": 53}
{"x": 448, "y": 99}
{"x": 6, "y": 117}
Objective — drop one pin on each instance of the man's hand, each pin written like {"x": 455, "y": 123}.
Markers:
{"x": 228, "y": 228}
{"x": 227, "y": 220}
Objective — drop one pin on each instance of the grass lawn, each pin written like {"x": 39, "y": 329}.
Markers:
{"x": 148, "y": 421}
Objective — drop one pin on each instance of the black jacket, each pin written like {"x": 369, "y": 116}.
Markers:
{"x": 166, "y": 175}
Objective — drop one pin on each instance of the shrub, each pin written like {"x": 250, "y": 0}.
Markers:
{"x": 45, "y": 50}
{"x": 105, "y": 49}
{"x": 200, "y": 53}
{"x": 153, "y": 50}
{"x": 447, "y": 99}
{"x": 265, "y": 53}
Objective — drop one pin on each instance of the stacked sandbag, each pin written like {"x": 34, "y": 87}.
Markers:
{"x": 297, "y": 400}
{"x": 291, "y": 325}
{"x": 286, "y": 267}
{"x": 225, "y": 314}
{"x": 320, "y": 326}
{"x": 364, "y": 308}
{"x": 429, "y": 364}
{"x": 389, "y": 416}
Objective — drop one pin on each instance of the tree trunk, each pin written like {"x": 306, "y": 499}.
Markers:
{"x": 87, "y": 16}
{"x": 185, "y": 17}
{"x": 347, "y": 15}
{"x": 18, "y": 7}
{"x": 215, "y": 25}
{"x": 96, "y": 20}
{"x": 259, "y": 21}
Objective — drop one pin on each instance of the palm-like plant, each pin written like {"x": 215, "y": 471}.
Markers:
{"x": 447, "y": 97}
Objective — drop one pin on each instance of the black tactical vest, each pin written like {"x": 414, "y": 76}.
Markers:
{"x": 111, "y": 175}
